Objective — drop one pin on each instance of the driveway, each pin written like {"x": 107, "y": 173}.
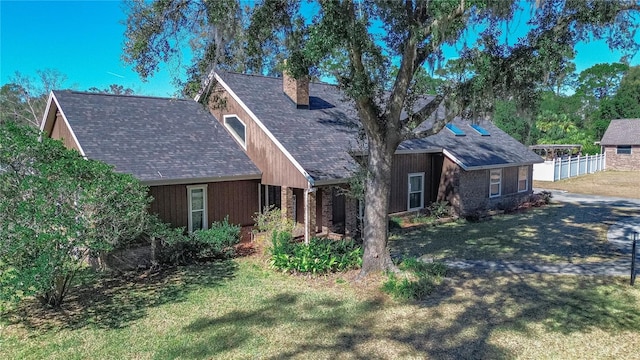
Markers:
{"x": 620, "y": 234}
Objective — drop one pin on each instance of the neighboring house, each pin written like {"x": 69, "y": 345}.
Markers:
{"x": 196, "y": 173}
{"x": 303, "y": 137}
{"x": 621, "y": 144}
{"x": 291, "y": 144}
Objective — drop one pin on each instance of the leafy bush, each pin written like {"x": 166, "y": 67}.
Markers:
{"x": 320, "y": 256}
{"x": 439, "y": 209}
{"x": 419, "y": 281}
{"x": 270, "y": 220}
{"x": 217, "y": 242}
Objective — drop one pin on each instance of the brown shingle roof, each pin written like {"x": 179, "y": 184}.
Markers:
{"x": 622, "y": 132}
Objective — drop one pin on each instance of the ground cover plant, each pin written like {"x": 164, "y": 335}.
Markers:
{"x": 623, "y": 184}
{"x": 321, "y": 255}
{"x": 241, "y": 309}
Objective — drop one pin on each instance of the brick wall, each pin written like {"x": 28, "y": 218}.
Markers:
{"x": 625, "y": 162}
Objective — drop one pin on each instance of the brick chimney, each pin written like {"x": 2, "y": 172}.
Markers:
{"x": 296, "y": 89}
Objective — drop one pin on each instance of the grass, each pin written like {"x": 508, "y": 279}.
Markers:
{"x": 556, "y": 233}
{"x": 623, "y": 184}
{"x": 239, "y": 310}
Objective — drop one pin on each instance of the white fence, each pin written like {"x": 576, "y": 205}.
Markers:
{"x": 562, "y": 168}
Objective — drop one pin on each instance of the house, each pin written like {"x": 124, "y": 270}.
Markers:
{"x": 284, "y": 142}
{"x": 303, "y": 136}
{"x": 621, "y": 144}
{"x": 196, "y": 173}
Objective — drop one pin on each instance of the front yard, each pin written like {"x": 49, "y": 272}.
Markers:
{"x": 243, "y": 310}
{"x": 555, "y": 233}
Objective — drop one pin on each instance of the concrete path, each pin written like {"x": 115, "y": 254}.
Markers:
{"x": 620, "y": 235}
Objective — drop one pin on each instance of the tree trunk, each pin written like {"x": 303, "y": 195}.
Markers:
{"x": 376, "y": 255}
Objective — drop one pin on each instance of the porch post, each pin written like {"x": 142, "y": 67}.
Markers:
{"x": 286, "y": 200}
{"x": 309, "y": 214}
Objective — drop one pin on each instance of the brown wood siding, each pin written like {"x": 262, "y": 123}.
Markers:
{"x": 449, "y": 183}
{"x": 403, "y": 165}
{"x": 237, "y": 199}
{"x": 319, "y": 218}
{"x": 276, "y": 168}
{"x": 60, "y": 131}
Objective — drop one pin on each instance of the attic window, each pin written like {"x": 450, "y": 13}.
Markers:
{"x": 482, "y": 131}
{"x": 237, "y": 129}
{"x": 455, "y": 130}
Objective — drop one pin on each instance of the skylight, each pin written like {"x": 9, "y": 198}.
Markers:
{"x": 482, "y": 131}
{"x": 455, "y": 130}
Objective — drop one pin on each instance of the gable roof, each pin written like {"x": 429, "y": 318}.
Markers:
{"x": 473, "y": 150}
{"x": 318, "y": 138}
{"x": 622, "y": 132}
{"x": 158, "y": 140}
{"x": 322, "y": 137}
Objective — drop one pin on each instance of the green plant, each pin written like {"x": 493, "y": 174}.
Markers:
{"x": 417, "y": 282}
{"x": 319, "y": 256}
{"x": 216, "y": 242}
{"x": 395, "y": 223}
{"x": 57, "y": 209}
{"x": 439, "y": 209}
{"x": 176, "y": 248}
{"x": 270, "y": 220}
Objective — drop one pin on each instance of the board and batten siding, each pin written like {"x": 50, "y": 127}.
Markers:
{"x": 237, "y": 199}
{"x": 276, "y": 168}
{"x": 60, "y": 131}
{"x": 403, "y": 165}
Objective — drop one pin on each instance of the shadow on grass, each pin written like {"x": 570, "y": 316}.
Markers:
{"x": 109, "y": 301}
{"x": 556, "y": 233}
{"x": 463, "y": 320}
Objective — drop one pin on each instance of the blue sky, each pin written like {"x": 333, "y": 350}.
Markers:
{"x": 83, "y": 40}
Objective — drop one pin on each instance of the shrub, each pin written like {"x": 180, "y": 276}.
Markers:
{"x": 419, "y": 280}
{"x": 176, "y": 248}
{"x": 320, "y": 256}
{"x": 439, "y": 209}
{"x": 216, "y": 242}
{"x": 271, "y": 220}
{"x": 395, "y": 223}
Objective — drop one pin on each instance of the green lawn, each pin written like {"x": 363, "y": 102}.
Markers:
{"x": 243, "y": 310}
{"x": 556, "y": 233}
{"x": 240, "y": 310}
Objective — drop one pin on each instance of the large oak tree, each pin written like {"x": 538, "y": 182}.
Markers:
{"x": 361, "y": 40}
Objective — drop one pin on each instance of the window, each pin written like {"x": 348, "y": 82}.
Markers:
{"x": 480, "y": 130}
{"x": 197, "y": 196}
{"x": 237, "y": 129}
{"x": 623, "y": 150}
{"x": 523, "y": 178}
{"x": 416, "y": 191}
{"x": 495, "y": 182}
{"x": 455, "y": 130}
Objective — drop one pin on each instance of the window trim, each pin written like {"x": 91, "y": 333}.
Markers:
{"x": 233, "y": 132}
{"x": 625, "y": 147}
{"x": 526, "y": 179}
{"x": 205, "y": 216}
{"x": 409, "y": 192}
{"x": 499, "y": 183}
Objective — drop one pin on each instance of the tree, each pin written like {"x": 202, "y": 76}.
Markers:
{"x": 56, "y": 210}
{"x": 23, "y": 99}
{"x": 114, "y": 89}
{"x": 368, "y": 36}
